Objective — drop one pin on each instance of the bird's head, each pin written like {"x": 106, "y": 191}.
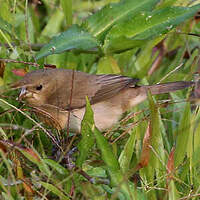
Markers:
{"x": 37, "y": 86}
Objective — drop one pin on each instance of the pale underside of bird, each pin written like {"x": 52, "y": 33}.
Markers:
{"x": 53, "y": 93}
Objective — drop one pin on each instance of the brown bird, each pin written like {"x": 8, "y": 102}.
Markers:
{"x": 54, "y": 92}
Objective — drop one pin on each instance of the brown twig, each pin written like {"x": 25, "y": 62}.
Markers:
{"x": 17, "y": 61}
{"x": 34, "y": 47}
{"x": 70, "y": 103}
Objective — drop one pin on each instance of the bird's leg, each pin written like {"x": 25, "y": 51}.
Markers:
{"x": 68, "y": 161}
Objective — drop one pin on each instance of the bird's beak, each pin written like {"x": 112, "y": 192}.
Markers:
{"x": 22, "y": 94}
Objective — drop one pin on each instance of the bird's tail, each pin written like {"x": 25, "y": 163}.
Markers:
{"x": 168, "y": 87}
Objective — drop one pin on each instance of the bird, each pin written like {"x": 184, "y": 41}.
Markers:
{"x": 58, "y": 94}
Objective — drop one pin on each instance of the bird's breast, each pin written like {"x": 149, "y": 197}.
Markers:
{"x": 106, "y": 114}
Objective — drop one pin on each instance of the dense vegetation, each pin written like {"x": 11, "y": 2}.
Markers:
{"x": 153, "y": 152}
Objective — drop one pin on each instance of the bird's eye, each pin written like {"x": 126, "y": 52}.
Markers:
{"x": 39, "y": 87}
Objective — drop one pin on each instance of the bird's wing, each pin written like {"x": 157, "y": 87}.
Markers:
{"x": 96, "y": 87}
{"x": 111, "y": 85}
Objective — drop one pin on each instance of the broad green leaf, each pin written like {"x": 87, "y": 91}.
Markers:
{"x": 182, "y": 137}
{"x": 67, "y": 8}
{"x": 55, "y": 190}
{"x": 144, "y": 26}
{"x": 111, "y": 14}
{"x": 74, "y": 38}
{"x": 87, "y": 139}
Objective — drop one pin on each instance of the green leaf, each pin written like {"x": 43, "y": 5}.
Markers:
{"x": 55, "y": 190}
{"x": 136, "y": 31}
{"x": 173, "y": 193}
{"x": 111, "y": 14}
{"x": 108, "y": 157}
{"x": 74, "y": 38}
{"x": 126, "y": 154}
{"x": 157, "y": 152}
{"x": 87, "y": 139}
{"x": 183, "y": 135}
{"x": 196, "y": 126}
{"x": 56, "y": 166}
{"x": 41, "y": 164}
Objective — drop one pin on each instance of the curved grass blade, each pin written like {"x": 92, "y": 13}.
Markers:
{"x": 67, "y": 8}
{"x": 108, "y": 157}
{"x": 55, "y": 190}
{"x": 157, "y": 147}
{"x": 126, "y": 154}
{"x": 183, "y": 136}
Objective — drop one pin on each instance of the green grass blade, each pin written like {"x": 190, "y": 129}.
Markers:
{"x": 87, "y": 140}
{"x": 183, "y": 136}
{"x": 173, "y": 193}
{"x": 55, "y": 190}
{"x": 56, "y": 166}
{"x": 157, "y": 151}
{"x": 67, "y": 8}
{"x": 108, "y": 157}
{"x": 126, "y": 154}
